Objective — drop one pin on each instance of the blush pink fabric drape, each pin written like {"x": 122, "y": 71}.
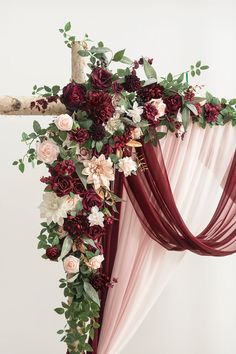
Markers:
{"x": 143, "y": 266}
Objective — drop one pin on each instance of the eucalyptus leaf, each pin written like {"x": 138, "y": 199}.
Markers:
{"x": 192, "y": 108}
{"x": 119, "y": 55}
{"x": 72, "y": 279}
{"x": 126, "y": 60}
{"x": 66, "y": 247}
{"x": 149, "y": 70}
{"x": 185, "y": 117}
{"x": 150, "y": 81}
{"x": 91, "y": 292}
{"x": 36, "y": 127}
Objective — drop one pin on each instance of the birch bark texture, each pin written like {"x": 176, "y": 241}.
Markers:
{"x": 22, "y": 106}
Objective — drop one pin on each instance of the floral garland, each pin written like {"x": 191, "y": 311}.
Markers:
{"x": 109, "y": 116}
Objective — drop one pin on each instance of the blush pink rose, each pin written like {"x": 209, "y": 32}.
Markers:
{"x": 160, "y": 106}
{"x": 71, "y": 264}
{"x": 64, "y": 122}
{"x": 95, "y": 262}
{"x": 47, "y": 151}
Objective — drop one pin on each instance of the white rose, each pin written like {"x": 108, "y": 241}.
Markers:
{"x": 160, "y": 106}
{"x": 71, "y": 264}
{"x": 47, "y": 151}
{"x": 95, "y": 262}
{"x": 64, "y": 122}
{"x": 127, "y": 165}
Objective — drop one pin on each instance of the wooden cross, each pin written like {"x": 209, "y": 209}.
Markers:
{"x": 21, "y": 106}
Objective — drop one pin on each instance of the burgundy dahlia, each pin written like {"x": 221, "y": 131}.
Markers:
{"x": 211, "y": 112}
{"x": 76, "y": 225}
{"x": 101, "y": 78}
{"x": 79, "y": 135}
{"x": 100, "y": 106}
{"x": 173, "y": 103}
{"x": 73, "y": 96}
{"x": 95, "y": 232}
{"x": 53, "y": 253}
{"x": 100, "y": 281}
{"x": 132, "y": 83}
{"x": 97, "y": 132}
{"x": 150, "y": 112}
{"x": 149, "y": 92}
{"x": 91, "y": 199}
{"x": 62, "y": 185}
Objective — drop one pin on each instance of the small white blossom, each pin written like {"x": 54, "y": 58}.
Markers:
{"x": 96, "y": 217}
{"x": 127, "y": 165}
{"x": 135, "y": 113}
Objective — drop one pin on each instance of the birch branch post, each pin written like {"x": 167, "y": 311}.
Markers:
{"x": 22, "y": 106}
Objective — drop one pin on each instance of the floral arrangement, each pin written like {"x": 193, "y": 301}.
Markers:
{"x": 109, "y": 116}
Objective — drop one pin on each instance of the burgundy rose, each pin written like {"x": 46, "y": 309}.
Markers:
{"x": 132, "y": 83}
{"x": 211, "y": 112}
{"x": 62, "y": 185}
{"x": 101, "y": 79}
{"x": 173, "y": 103}
{"x": 100, "y": 106}
{"x": 73, "y": 96}
{"x": 65, "y": 167}
{"x": 53, "y": 253}
{"x": 95, "y": 232}
{"x": 78, "y": 187}
{"x": 149, "y": 92}
{"x": 76, "y": 225}
{"x": 79, "y": 135}
{"x": 149, "y": 113}
{"x": 91, "y": 199}
{"x": 117, "y": 87}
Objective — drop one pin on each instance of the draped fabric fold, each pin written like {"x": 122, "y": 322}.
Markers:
{"x": 197, "y": 168}
{"x": 153, "y": 201}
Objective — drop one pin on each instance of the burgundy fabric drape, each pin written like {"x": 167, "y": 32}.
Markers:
{"x": 152, "y": 198}
{"x": 109, "y": 247}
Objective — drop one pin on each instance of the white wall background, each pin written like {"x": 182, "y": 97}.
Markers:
{"x": 196, "y": 313}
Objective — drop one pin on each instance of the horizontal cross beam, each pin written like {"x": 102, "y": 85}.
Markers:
{"x": 34, "y": 105}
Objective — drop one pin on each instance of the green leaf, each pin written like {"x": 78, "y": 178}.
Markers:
{"x": 91, "y": 292}
{"x": 100, "y": 44}
{"x": 36, "y": 127}
{"x": 67, "y": 27}
{"x": 21, "y": 167}
{"x": 99, "y": 145}
{"x": 160, "y": 135}
{"x": 232, "y": 102}
{"x": 63, "y": 135}
{"x": 204, "y": 67}
{"x": 209, "y": 96}
{"x": 66, "y": 247}
{"x": 126, "y": 60}
{"x": 169, "y": 77}
{"x": 150, "y": 81}
{"x": 88, "y": 347}
{"x": 79, "y": 206}
{"x": 193, "y": 73}
{"x": 121, "y": 72}
{"x": 47, "y": 88}
{"x": 83, "y": 53}
{"x": 100, "y": 50}
{"x": 185, "y": 117}
{"x": 79, "y": 168}
{"x": 14, "y": 163}
{"x": 119, "y": 55}
{"x": 192, "y": 108}
{"x": 60, "y": 331}
{"x": 180, "y": 78}
{"x": 72, "y": 279}
{"x": 55, "y": 90}
{"x": 198, "y": 72}
{"x": 86, "y": 124}
{"x": 59, "y": 310}
{"x": 198, "y": 64}
{"x": 149, "y": 70}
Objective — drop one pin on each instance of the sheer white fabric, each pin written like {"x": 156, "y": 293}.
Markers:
{"x": 197, "y": 167}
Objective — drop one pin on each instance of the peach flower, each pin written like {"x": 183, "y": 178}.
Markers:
{"x": 71, "y": 264}
{"x": 64, "y": 122}
{"x": 99, "y": 171}
{"x": 95, "y": 262}
{"x": 47, "y": 151}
